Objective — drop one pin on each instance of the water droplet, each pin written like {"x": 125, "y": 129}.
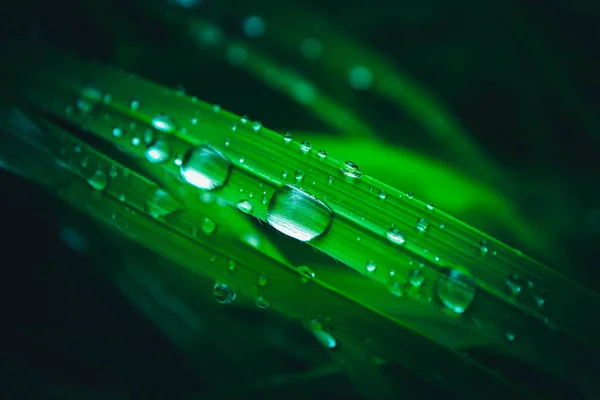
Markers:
{"x": 351, "y": 170}
{"x": 242, "y": 160}
{"x": 178, "y": 160}
{"x": 416, "y": 277}
{"x": 515, "y": 284}
{"x": 163, "y": 123}
{"x": 456, "y": 289}
{"x": 284, "y": 174}
{"x": 330, "y": 180}
{"x": 483, "y": 247}
{"x": 158, "y": 152}
{"x": 223, "y": 293}
{"x": 360, "y": 78}
{"x": 208, "y": 226}
{"x": 256, "y": 126}
{"x": 510, "y": 336}
{"x": 180, "y": 90}
{"x": 244, "y": 119}
{"x": 298, "y": 214}
{"x": 205, "y": 167}
{"x": 245, "y": 206}
{"x": 117, "y": 131}
{"x": 430, "y": 206}
{"x": 305, "y": 147}
{"x": 422, "y": 225}
{"x": 287, "y": 138}
{"x": 262, "y": 281}
{"x": 371, "y": 267}
{"x": 134, "y": 104}
{"x": 77, "y": 148}
{"x": 122, "y": 197}
{"x": 382, "y": 194}
{"x": 98, "y": 181}
{"x": 253, "y": 26}
{"x": 539, "y": 299}
{"x": 194, "y": 121}
{"x": 261, "y": 302}
{"x": 395, "y": 236}
{"x": 299, "y": 175}
{"x": 410, "y": 195}
{"x": 322, "y": 154}
{"x": 307, "y": 274}
{"x": 231, "y": 266}
{"x": 136, "y": 140}
{"x": 113, "y": 171}
{"x": 325, "y": 338}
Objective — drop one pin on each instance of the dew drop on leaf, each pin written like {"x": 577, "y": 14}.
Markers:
{"x": 307, "y": 274}
{"x": 351, "y": 170}
{"x": 98, "y": 181}
{"x": 456, "y": 289}
{"x": 223, "y": 293}
{"x": 422, "y": 225}
{"x": 261, "y": 302}
{"x": 322, "y": 154}
{"x": 395, "y": 236}
{"x": 245, "y": 206}
{"x": 158, "y": 152}
{"x": 208, "y": 226}
{"x": 305, "y": 147}
{"x": 371, "y": 266}
{"x": 287, "y": 138}
{"x": 163, "y": 123}
{"x": 205, "y": 167}
{"x": 515, "y": 284}
{"x": 298, "y": 214}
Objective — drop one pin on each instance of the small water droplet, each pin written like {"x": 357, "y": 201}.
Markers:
{"x": 262, "y": 281}
{"x": 287, "y": 138}
{"x": 158, "y": 152}
{"x": 515, "y": 284}
{"x": 483, "y": 247}
{"x": 371, "y": 267}
{"x": 305, "y": 147}
{"x": 322, "y": 154}
{"x": 416, "y": 277}
{"x": 422, "y": 225}
{"x": 134, "y": 104}
{"x": 98, "y": 181}
{"x": 148, "y": 136}
{"x": 330, "y": 180}
{"x": 117, "y": 131}
{"x": 284, "y": 174}
{"x": 178, "y": 160}
{"x": 163, "y": 123}
{"x": 208, "y": 226}
{"x": 245, "y": 206}
{"x": 136, "y": 140}
{"x": 382, "y": 194}
{"x": 194, "y": 121}
{"x": 456, "y": 289}
{"x": 299, "y": 175}
{"x": 261, "y": 302}
{"x": 351, "y": 170}
{"x": 307, "y": 274}
{"x": 231, "y": 266}
{"x": 113, "y": 171}
{"x": 242, "y": 160}
{"x": 77, "y": 148}
{"x": 205, "y": 167}
{"x": 256, "y": 126}
{"x": 325, "y": 338}
{"x": 122, "y": 197}
{"x": 223, "y": 293}
{"x": 216, "y": 108}
{"x": 410, "y": 195}
{"x": 298, "y": 214}
{"x": 244, "y": 119}
{"x": 395, "y": 236}
{"x": 510, "y": 336}
{"x": 430, "y": 206}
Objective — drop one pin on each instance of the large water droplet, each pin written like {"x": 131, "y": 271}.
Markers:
{"x": 456, "y": 289}
{"x": 98, "y": 181}
{"x": 245, "y": 206}
{"x": 223, "y": 293}
{"x": 205, "y": 167}
{"x": 416, "y": 277}
{"x": 298, "y": 214}
{"x": 351, "y": 170}
{"x": 395, "y": 236}
{"x": 158, "y": 152}
{"x": 163, "y": 123}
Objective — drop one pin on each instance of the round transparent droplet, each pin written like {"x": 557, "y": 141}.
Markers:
{"x": 510, "y": 336}
{"x": 98, "y": 181}
{"x": 256, "y": 126}
{"x": 245, "y": 206}
{"x": 134, "y": 104}
{"x": 382, "y": 194}
{"x": 322, "y": 154}
{"x": 371, "y": 266}
{"x": 262, "y": 281}
{"x": 298, "y": 214}
{"x": 208, "y": 226}
{"x": 163, "y": 123}
{"x": 430, "y": 206}
{"x": 456, "y": 289}
{"x": 158, "y": 152}
{"x": 223, "y": 293}
{"x": 305, "y": 147}
{"x": 253, "y": 26}
{"x": 422, "y": 225}
{"x": 287, "y": 138}
{"x": 307, "y": 273}
{"x": 351, "y": 170}
{"x": 205, "y": 167}
{"x": 113, "y": 171}
{"x": 515, "y": 284}
{"x": 261, "y": 302}
{"x": 410, "y": 195}
{"x": 117, "y": 131}
{"x": 416, "y": 278}
{"x": 395, "y": 236}
{"x": 299, "y": 175}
